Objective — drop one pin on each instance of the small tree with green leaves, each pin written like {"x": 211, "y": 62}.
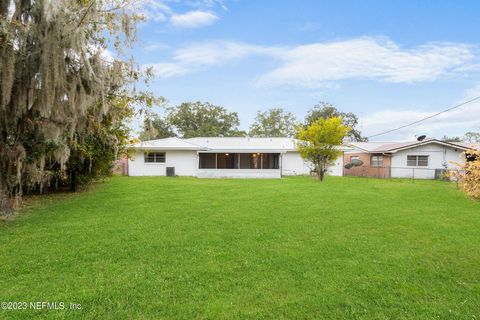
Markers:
{"x": 318, "y": 142}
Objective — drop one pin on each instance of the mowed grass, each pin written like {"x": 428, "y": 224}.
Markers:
{"x": 186, "y": 248}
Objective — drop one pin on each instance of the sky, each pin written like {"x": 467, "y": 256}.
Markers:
{"x": 389, "y": 62}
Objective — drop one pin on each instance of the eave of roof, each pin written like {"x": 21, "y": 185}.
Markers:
{"x": 246, "y": 151}
{"x": 250, "y": 145}
{"x": 181, "y": 145}
{"x": 398, "y": 146}
{"x": 168, "y": 148}
{"x": 422, "y": 143}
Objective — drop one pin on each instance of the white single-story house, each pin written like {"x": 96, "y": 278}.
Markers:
{"x": 426, "y": 159}
{"x": 224, "y": 157}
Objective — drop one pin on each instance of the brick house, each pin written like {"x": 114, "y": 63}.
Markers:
{"x": 374, "y": 164}
{"x": 418, "y": 159}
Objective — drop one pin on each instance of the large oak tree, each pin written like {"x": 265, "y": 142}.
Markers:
{"x": 58, "y": 86}
{"x": 199, "y": 119}
{"x": 325, "y": 110}
{"x": 275, "y": 122}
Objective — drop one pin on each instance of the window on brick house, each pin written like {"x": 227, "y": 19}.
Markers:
{"x": 376, "y": 161}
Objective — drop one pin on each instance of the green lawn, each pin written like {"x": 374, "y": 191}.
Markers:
{"x": 183, "y": 248}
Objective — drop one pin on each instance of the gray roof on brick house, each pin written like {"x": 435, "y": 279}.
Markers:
{"x": 392, "y": 147}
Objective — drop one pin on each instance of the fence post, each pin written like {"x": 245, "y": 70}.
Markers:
{"x": 413, "y": 175}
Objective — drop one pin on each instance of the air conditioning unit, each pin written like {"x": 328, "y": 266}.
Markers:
{"x": 440, "y": 174}
{"x": 170, "y": 171}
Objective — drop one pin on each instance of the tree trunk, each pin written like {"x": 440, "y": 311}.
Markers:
{"x": 5, "y": 203}
{"x": 73, "y": 181}
{"x": 320, "y": 171}
{"x": 322, "y": 174}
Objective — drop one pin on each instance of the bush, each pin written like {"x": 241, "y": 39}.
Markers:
{"x": 470, "y": 176}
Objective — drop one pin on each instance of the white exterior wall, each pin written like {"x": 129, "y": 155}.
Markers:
{"x": 293, "y": 164}
{"x": 438, "y": 155}
{"x": 337, "y": 168}
{"x": 185, "y": 163}
{"x": 239, "y": 173}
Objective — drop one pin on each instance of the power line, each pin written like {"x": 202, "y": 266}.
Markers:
{"x": 426, "y": 118}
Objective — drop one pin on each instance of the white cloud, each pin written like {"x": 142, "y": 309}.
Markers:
{"x": 321, "y": 64}
{"x": 160, "y": 11}
{"x": 455, "y": 122}
{"x": 167, "y": 70}
{"x": 366, "y": 58}
{"x": 155, "y": 46}
{"x": 198, "y": 56}
{"x": 218, "y": 52}
{"x": 193, "y": 19}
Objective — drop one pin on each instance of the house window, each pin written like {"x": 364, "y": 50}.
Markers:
{"x": 154, "y": 157}
{"x": 377, "y": 161}
{"x": 417, "y": 161}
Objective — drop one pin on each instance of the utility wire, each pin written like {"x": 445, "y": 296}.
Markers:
{"x": 426, "y": 118}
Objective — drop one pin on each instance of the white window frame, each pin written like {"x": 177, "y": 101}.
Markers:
{"x": 378, "y": 162}
{"x": 417, "y": 160}
{"x": 158, "y": 157}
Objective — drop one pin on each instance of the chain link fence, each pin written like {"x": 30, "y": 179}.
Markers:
{"x": 403, "y": 172}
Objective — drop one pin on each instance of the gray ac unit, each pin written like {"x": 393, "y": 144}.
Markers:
{"x": 440, "y": 174}
{"x": 170, "y": 171}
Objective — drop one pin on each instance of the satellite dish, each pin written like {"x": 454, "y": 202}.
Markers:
{"x": 421, "y": 138}
{"x": 348, "y": 165}
{"x": 357, "y": 162}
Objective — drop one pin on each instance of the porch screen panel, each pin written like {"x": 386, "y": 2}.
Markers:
{"x": 226, "y": 160}
{"x": 256, "y": 159}
{"x": 270, "y": 160}
{"x": 245, "y": 161}
{"x": 207, "y": 161}
{"x": 250, "y": 161}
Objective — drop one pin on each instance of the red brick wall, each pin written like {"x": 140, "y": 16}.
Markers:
{"x": 120, "y": 166}
{"x": 366, "y": 170}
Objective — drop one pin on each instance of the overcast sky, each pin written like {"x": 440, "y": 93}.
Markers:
{"x": 390, "y": 62}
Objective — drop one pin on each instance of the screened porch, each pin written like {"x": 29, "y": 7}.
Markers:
{"x": 239, "y": 161}
{"x": 239, "y": 165}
